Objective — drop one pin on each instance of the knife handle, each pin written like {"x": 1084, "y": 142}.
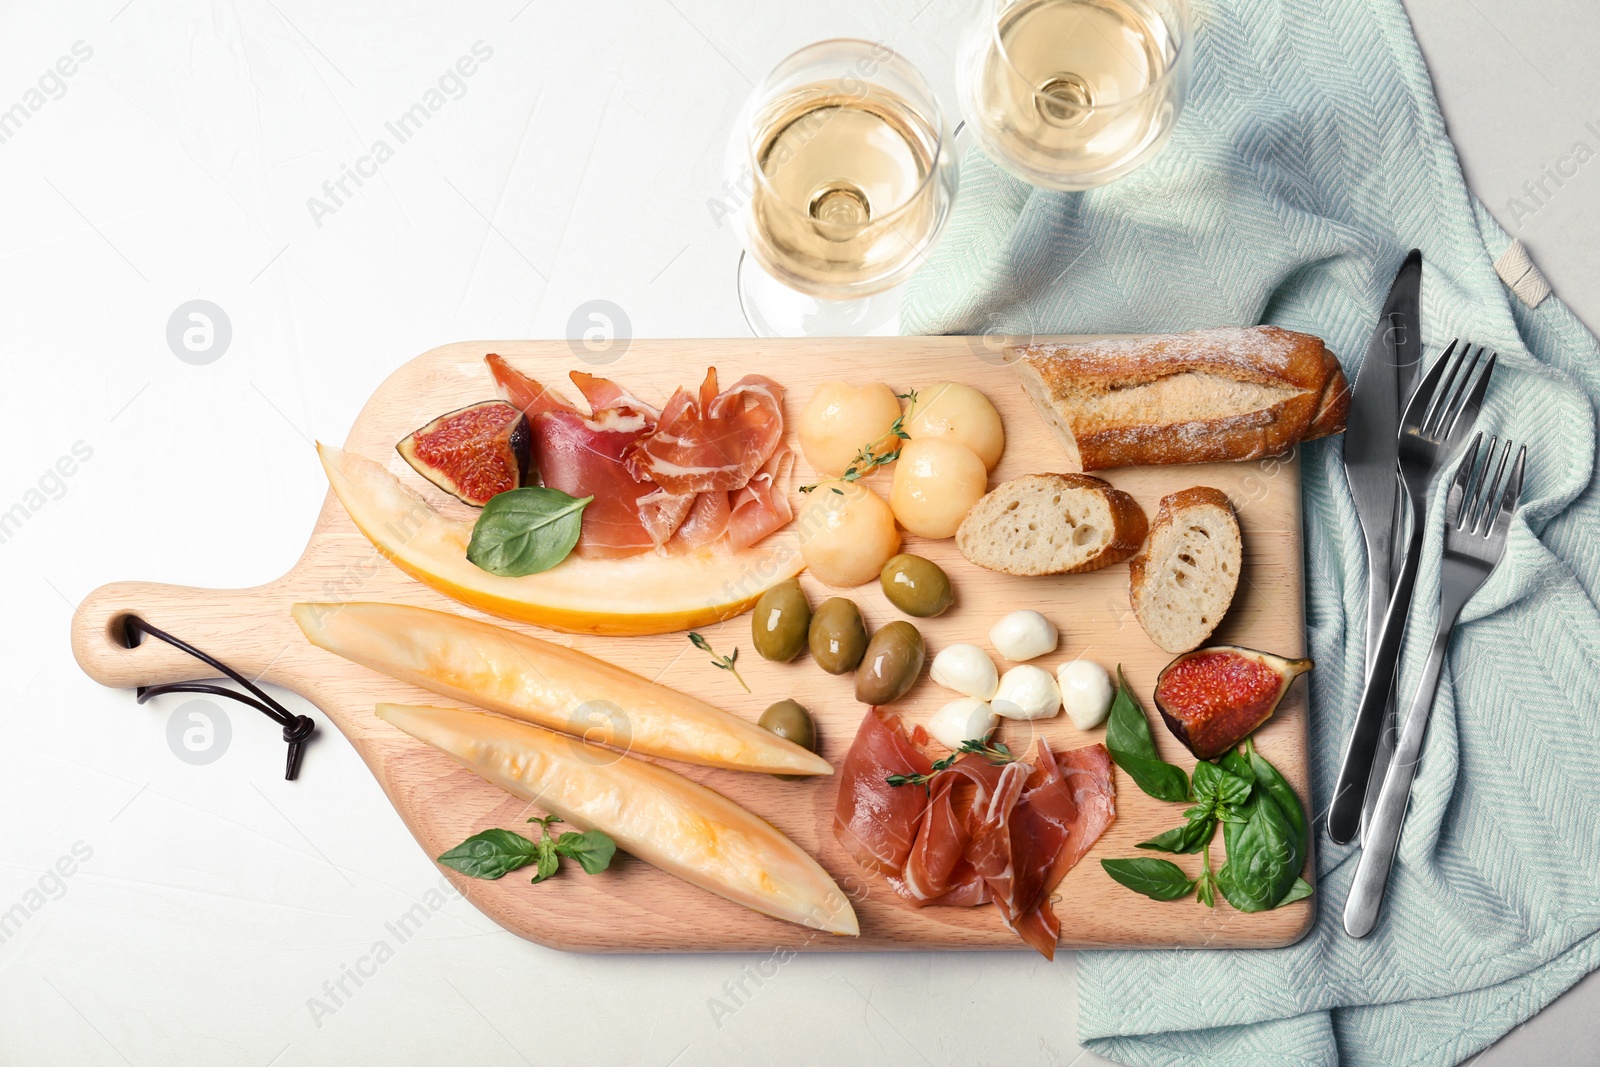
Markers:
{"x": 1344, "y": 813}
{"x": 1388, "y": 735}
{"x": 1382, "y": 837}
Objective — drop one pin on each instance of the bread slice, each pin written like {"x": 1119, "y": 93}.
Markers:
{"x": 1052, "y": 524}
{"x": 1183, "y": 581}
{"x": 1211, "y": 395}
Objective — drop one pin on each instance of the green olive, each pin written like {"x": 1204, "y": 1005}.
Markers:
{"x": 780, "y": 622}
{"x": 790, "y": 720}
{"x": 916, "y": 586}
{"x": 893, "y": 661}
{"x": 838, "y": 637}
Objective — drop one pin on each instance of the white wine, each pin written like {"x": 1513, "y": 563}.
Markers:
{"x": 1073, "y": 93}
{"x": 847, "y": 193}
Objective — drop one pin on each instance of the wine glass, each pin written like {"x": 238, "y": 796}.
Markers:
{"x": 850, "y": 176}
{"x": 1072, "y": 94}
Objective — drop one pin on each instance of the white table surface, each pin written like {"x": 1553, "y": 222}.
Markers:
{"x": 209, "y": 904}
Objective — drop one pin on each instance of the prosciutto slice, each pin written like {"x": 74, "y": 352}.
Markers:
{"x": 761, "y": 508}
{"x": 979, "y": 832}
{"x": 585, "y": 457}
{"x": 706, "y": 523}
{"x": 523, "y": 391}
{"x": 712, "y": 441}
{"x": 703, "y": 469}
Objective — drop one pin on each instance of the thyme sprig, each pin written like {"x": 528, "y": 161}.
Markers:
{"x": 724, "y": 663}
{"x": 995, "y": 752}
{"x": 874, "y": 455}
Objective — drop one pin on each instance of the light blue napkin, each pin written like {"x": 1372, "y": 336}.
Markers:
{"x": 1311, "y": 156}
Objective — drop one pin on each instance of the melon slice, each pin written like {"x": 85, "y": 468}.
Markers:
{"x": 645, "y": 594}
{"x": 659, "y": 816}
{"x": 547, "y": 684}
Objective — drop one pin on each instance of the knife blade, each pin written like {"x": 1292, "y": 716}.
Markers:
{"x": 1372, "y": 429}
{"x": 1407, "y": 342}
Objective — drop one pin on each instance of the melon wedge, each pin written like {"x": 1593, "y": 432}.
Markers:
{"x": 644, "y": 594}
{"x": 548, "y": 685}
{"x": 661, "y": 817}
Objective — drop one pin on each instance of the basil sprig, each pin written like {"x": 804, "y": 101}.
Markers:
{"x": 495, "y": 853}
{"x": 525, "y": 531}
{"x": 1264, "y": 826}
{"x": 1129, "y": 742}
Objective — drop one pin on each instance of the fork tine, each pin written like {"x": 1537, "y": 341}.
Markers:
{"x": 1513, "y": 496}
{"x": 1467, "y": 413}
{"x": 1459, "y": 501}
{"x": 1437, "y": 402}
{"x": 1422, "y": 394}
{"x": 1484, "y": 513}
{"x": 1454, "y": 394}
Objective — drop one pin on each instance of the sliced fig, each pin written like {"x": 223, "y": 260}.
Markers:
{"x": 1215, "y": 697}
{"x": 474, "y": 452}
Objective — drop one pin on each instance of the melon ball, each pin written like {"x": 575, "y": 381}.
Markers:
{"x": 841, "y": 419}
{"x": 847, "y": 534}
{"x": 958, "y": 413}
{"x": 936, "y": 482}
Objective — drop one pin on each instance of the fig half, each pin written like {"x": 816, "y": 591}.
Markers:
{"x": 1214, "y": 697}
{"x": 473, "y": 453}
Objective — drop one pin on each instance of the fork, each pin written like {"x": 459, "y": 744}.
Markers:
{"x": 1474, "y": 541}
{"x": 1440, "y": 414}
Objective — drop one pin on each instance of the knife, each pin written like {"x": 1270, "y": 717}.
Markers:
{"x": 1371, "y": 444}
{"x": 1408, "y": 347}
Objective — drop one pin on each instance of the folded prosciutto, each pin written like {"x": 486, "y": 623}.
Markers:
{"x": 979, "y": 832}
{"x": 700, "y": 471}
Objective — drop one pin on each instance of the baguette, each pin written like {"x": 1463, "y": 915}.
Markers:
{"x": 1235, "y": 393}
{"x": 1051, "y": 524}
{"x": 1183, "y": 581}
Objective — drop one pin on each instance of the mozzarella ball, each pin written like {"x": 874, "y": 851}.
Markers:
{"x": 1027, "y": 693}
{"x": 1023, "y": 635}
{"x": 841, "y": 419}
{"x": 1085, "y": 692}
{"x": 966, "y": 669}
{"x": 958, "y": 413}
{"x": 936, "y": 482}
{"x": 847, "y": 534}
{"x": 962, "y": 720}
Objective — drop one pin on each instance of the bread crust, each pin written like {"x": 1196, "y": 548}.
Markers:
{"x": 1260, "y": 355}
{"x": 1129, "y": 524}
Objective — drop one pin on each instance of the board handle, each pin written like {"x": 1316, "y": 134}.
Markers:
{"x": 248, "y": 629}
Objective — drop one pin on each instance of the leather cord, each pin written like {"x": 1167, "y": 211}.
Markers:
{"x": 297, "y": 729}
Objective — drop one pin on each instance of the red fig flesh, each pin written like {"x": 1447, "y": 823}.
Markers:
{"x": 1213, "y": 698}
{"x": 474, "y": 452}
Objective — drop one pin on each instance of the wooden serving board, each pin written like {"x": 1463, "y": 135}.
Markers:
{"x": 634, "y": 907}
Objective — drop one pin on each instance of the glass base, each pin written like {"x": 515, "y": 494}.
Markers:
{"x": 772, "y": 309}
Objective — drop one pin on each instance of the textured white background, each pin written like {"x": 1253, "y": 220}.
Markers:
{"x": 577, "y": 165}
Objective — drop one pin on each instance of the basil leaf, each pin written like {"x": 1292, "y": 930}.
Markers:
{"x": 1129, "y": 742}
{"x": 525, "y": 531}
{"x": 1264, "y": 856}
{"x": 491, "y": 854}
{"x": 1187, "y": 839}
{"x": 1237, "y": 764}
{"x": 1299, "y": 891}
{"x": 592, "y": 848}
{"x": 549, "y": 862}
{"x": 1279, "y": 789}
{"x": 1156, "y": 879}
{"x": 1214, "y": 786}
{"x": 1205, "y": 889}
{"x": 1233, "y": 790}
